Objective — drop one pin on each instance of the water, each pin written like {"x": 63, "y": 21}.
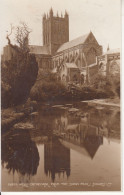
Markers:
{"x": 72, "y": 147}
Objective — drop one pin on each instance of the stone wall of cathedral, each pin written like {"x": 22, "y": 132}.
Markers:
{"x": 81, "y": 55}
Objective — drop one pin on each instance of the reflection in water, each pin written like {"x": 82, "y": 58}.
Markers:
{"x": 64, "y": 131}
{"x": 92, "y": 143}
{"x": 19, "y": 153}
{"x": 56, "y": 159}
{"x": 86, "y": 128}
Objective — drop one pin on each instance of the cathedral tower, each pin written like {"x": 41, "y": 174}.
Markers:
{"x": 55, "y": 31}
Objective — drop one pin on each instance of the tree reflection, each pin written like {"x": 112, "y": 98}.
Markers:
{"x": 19, "y": 153}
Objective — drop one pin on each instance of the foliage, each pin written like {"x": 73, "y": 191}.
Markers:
{"x": 47, "y": 87}
{"x": 108, "y": 84}
{"x": 19, "y": 73}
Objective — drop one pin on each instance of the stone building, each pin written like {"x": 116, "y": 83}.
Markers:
{"x": 57, "y": 51}
{"x": 8, "y": 53}
{"x": 55, "y": 33}
{"x": 69, "y": 73}
{"x": 109, "y": 63}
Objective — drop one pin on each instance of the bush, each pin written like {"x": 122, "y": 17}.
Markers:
{"x": 46, "y": 87}
{"x": 107, "y": 86}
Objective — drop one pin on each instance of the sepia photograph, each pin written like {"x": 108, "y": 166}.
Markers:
{"x": 60, "y": 95}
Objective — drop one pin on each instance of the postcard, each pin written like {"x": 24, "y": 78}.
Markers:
{"x": 60, "y": 96}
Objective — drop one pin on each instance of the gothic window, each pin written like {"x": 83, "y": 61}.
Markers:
{"x": 63, "y": 78}
{"x": 76, "y": 54}
{"x": 114, "y": 67}
{"x": 70, "y": 60}
{"x": 91, "y": 56}
{"x": 43, "y": 38}
{"x": 82, "y": 79}
{"x": 100, "y": 66}
{"x": 78, "y": 63}
{"x": 83, "y": 62}
{"x": 75, "y": 79}
{"x": 48, "y": 38}
{"x": 66, "y": 59}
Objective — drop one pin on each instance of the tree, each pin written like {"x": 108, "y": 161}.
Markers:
{"x": 21, "y": 37}
{"x": 20, "y": 72}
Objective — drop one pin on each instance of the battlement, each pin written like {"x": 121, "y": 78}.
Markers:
{"x": 55, "y": 30}
{"x": 51, "y": 15}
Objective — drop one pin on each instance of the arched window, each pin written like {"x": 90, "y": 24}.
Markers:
{"x": 63, "y": 78}
{"x": 91, "y": 56}
{"x": 66, "y": 59}
{"x": 71, "y": 58}
{"x": 82, "y": 79}
{"x": 79, "y": 63}
{"x": 75, "y": 78}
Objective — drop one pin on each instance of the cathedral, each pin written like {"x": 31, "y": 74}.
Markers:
{"x": 76, "y": 61}
{"x": 68, "y": 58}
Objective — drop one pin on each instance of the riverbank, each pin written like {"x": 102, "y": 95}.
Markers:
{"x": 13, "y": 115}
{"x": 9, "y": 117}
{"x": 104, "y": 102}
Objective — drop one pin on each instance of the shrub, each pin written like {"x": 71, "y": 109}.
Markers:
{"x": 46, "y": 87}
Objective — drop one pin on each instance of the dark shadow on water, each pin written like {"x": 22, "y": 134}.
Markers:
{"x": 20, "y": 153}
{"x": 56, "y": 159}
{"x": 92, "y": 143}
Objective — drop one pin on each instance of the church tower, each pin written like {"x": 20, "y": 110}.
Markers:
{"x": 55, "y": 30}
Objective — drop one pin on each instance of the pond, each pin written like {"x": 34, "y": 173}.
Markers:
{"x": 71, "y": 147}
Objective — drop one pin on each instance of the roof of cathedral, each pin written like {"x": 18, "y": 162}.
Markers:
{"x": 75, "y": 42}
{"x": 39, "y": 49}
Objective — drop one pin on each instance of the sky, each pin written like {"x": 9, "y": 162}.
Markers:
{"x": 102, "y": 17}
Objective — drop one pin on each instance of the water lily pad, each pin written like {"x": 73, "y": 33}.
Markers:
{"x": 73, "y": 110}
{"x": 23, "y": 126}
{"x": 56, "y": 106}
{"x": 34, "y": 114}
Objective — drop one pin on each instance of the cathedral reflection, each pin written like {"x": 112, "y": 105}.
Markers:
{"x": 56, "y": 159}
{"x": 60, "y": 131}
{"x": 87, "y": 128}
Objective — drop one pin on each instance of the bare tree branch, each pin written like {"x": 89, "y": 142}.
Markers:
{"x": 21, "y": 37}
{"x": 8, "y": 35}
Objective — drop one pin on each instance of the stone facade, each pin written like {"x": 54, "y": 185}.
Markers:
{"x": 109, "y": 63}
{"x": 55, "y": 31}
{"x": 57, "y": 50}
{"x": 82, "y": 51}
{"x": 8, "y": 53}
{"x": 69, "y": 73}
